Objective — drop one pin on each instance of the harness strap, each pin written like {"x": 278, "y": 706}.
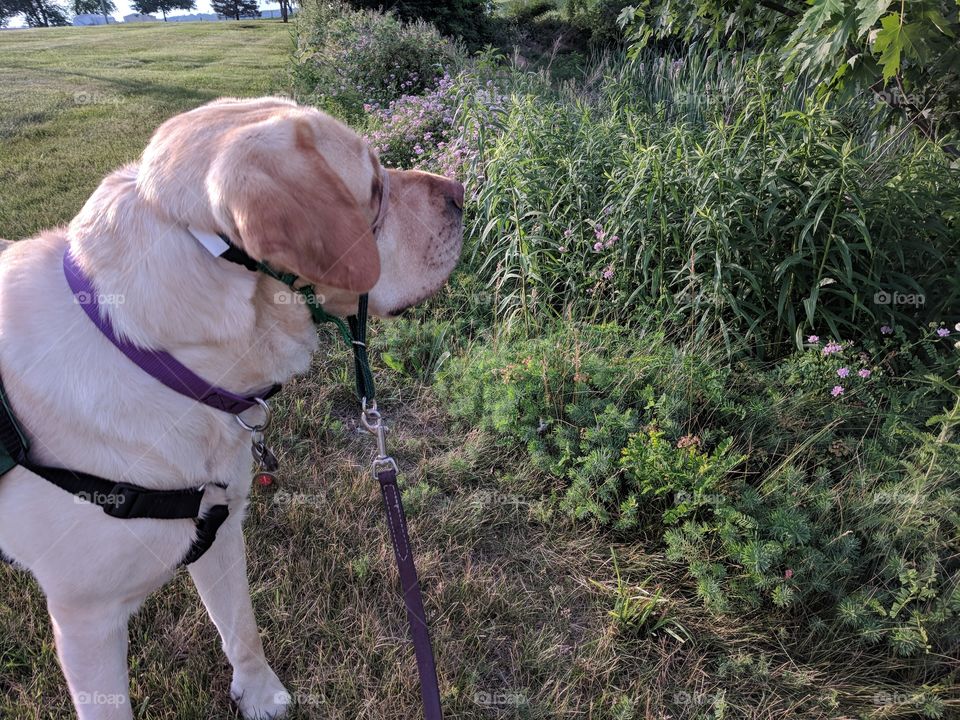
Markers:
{"x": 207, "y": 527}
{"x": 117, "y": 499}
{"x": 13, "y": 443}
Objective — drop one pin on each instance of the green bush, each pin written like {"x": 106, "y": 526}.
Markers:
{"x": 598, "y": 17}
{"x": 773, "y": 488}
{"x": 640, "y": 245}
{"x": 701, "y": 187}
{"x": 348, "y": 59}
{"x": 460, "y": 18}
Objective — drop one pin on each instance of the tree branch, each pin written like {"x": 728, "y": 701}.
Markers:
{"x": 780, "y": 8}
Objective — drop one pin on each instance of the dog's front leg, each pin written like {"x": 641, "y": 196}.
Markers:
{"x": 221, "y": 578}
{"x": 92, "y": 648}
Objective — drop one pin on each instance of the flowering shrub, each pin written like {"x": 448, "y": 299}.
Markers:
{"x": 347, "y": 58}
{"x": 431, "y": 131}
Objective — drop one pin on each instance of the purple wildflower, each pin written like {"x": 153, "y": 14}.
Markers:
{"x": 598, "y": 246}
{"x": 942, "y": 332}
{"x": 608, "y": 272}
{"x": 863, "y": 372}
{"x": 886, "y": 330}
{"x": 843, "y": 372}
{"x": 813, "y": 339}
{"x": 831, "y": 347}
{"x": 837, "y": 390}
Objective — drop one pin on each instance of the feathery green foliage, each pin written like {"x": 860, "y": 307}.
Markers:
{"x": 771, "y": 492}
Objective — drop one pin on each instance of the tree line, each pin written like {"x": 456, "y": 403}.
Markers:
{"x": 51, "y": 13}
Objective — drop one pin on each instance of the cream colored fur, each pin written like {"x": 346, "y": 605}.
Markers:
{"x": 86, "y": 406}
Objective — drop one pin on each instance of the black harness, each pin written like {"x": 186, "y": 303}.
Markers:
{"x": 117, "y": 499}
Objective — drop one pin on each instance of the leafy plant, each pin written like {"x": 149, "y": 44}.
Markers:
{"x": 348, "y": 59}
{"x": 463, "y": 18}
{"x": 636, "y": 609}
{"x": 905, "y": 53}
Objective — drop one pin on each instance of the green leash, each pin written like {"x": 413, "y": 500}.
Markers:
{"x": 353, "y": 331}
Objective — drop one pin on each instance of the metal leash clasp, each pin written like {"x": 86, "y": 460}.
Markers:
{"x": 372, "y": 421}
{"x": 266, "y": 462}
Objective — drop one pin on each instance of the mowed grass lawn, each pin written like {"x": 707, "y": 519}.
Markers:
{"x": 75, "y": 103}
{"x": 520, "y": 599}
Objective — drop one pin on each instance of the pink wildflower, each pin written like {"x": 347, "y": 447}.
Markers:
{"x": 863, "y": 372}
{"x": 837, "y": 390}
{"x": 843, "y": 372}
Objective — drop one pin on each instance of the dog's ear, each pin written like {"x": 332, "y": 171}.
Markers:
{"x": 293, "y": 212}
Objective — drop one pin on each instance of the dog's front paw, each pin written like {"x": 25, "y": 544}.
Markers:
{"x": 260, "y": 697}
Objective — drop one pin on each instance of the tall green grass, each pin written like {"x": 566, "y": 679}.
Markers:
{"x": 741, "y": 208}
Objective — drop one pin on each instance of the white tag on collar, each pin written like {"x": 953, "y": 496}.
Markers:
{"x": 214, "y": 244}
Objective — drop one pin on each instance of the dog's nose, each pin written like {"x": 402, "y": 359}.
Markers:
{"x": 456, "y": 194}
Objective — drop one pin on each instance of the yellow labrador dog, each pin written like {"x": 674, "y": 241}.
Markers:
{"x": 291, "y": 187}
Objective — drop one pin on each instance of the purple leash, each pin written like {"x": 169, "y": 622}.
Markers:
{"x": 412, "y": 597}
{"x": 157, "y": 363}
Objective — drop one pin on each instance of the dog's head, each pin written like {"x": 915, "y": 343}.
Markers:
{"x": 301, "y": 191}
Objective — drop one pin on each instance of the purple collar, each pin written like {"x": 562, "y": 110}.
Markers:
{"x": 161, "y": 365}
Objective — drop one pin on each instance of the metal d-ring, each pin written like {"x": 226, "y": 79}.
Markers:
{"x": 267, "y": 417}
